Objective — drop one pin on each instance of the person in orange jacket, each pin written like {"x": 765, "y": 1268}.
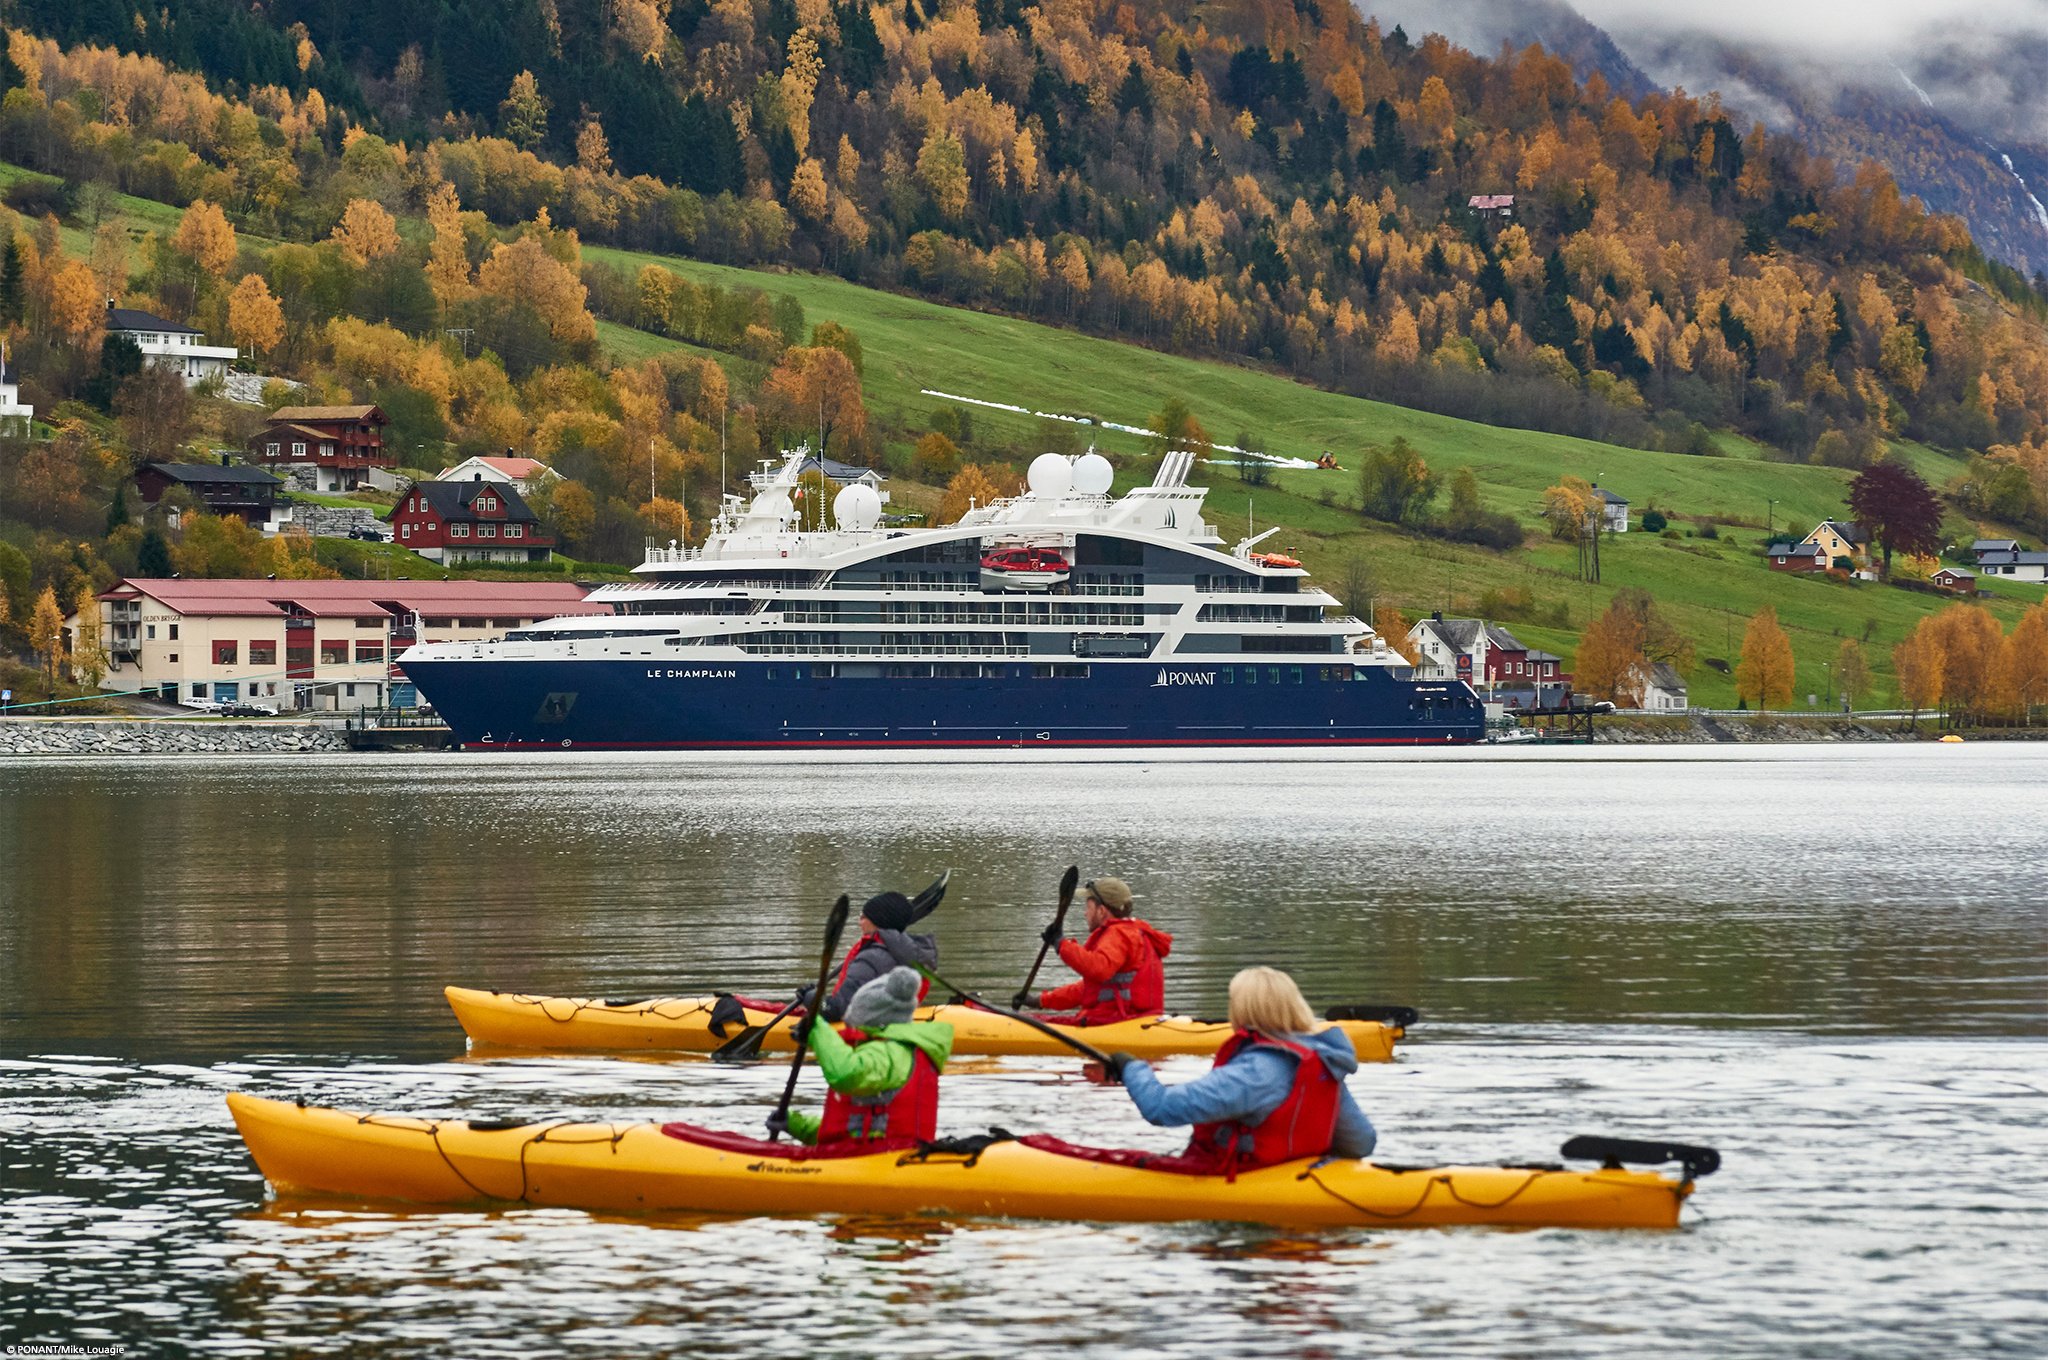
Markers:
{"x": 1121, "y": 968}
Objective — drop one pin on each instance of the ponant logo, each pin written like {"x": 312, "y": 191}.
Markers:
{"x": 1167, "y": 678}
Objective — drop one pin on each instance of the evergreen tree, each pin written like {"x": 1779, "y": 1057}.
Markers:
{"x": 861, "y": 58}
{"x": 1134, "y": 96}
{"x": 10, "y": 280}
{"x": 153, "y": 558}
{"x": 117, "y": 513}
{"x": 120, "y": 360}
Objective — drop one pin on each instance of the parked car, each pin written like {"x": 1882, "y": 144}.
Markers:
{"x": 368, "y": 533}
{"x": 202, "y": 705}
{"x": 245, "y": 709}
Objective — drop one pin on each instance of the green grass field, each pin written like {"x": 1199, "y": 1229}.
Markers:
{"x": 1709, "y": 586}
{"x": 140, "y": 215}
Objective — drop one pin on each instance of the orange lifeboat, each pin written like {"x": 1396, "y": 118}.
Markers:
{"x": 1275, "y": 560}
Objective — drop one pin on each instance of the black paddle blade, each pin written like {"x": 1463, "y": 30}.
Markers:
{"x": 1069, "y": 880}
{"x": 726, "y": 1010}
{"x": 835, "y": 926}
{"x": 1404, "y": 1016}
{"x": 927, "y": 902}
{"x": 1613, "y": 1152}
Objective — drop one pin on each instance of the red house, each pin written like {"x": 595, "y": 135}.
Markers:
{"x": 336, "y": 446}
{"x": 473, "y": 521}
{"x": 1796, "y": 557}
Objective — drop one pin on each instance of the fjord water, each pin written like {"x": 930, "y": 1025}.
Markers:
{"x": 1830, "y": 962}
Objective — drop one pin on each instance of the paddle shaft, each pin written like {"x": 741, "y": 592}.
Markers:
{"x": 1049, "y": 1031}
{"x": 747, "y": 1043}
{"x": 1059, "y": 920}
{"x": 833, "y": 926}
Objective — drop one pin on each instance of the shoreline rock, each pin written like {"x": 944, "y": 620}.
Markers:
{"x": 1725, "y": 729}
{"x": 170, "y": 737}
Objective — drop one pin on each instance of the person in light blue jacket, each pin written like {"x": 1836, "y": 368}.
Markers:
{"x": 1277, "y": 1091}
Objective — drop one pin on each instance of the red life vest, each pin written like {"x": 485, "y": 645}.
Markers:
{"x": 1140, "y": 989}
{"x": 908, "y": 1114}
{"x": 924, "y": 984}
{"x": 1302, "y": 1125}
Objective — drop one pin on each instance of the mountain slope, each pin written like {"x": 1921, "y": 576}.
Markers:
{"x": 1283, "y": 183}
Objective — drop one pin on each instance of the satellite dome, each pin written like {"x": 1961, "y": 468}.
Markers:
{"x": 857, "y": 508}
{"x": 1050, "y": 475}
{"x": 1093, "y": 474}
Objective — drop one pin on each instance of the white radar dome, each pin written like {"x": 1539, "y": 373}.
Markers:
{"x": 1093, "y": 474}
{"x": 857, "y": 508}
{"x": 1050, "y": 475}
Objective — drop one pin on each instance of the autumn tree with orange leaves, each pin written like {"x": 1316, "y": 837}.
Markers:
{"x": 1764, "y": 673}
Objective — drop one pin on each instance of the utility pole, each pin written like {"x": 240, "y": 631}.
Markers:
{"x": 1770, "y": 517}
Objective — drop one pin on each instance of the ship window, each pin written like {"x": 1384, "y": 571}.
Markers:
{"x": 1094, "y": 550}
{"x": 1272, "y": 675}
{"x": 771, "y": 672}
{"x": 1251, "y": 675}
{"x": 1294, "y": 675}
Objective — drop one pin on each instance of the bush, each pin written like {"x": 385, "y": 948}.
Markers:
{"x": 1654, "y": 521}
{"x": 37, "y": 197}
{"x": 1487, "y": 529}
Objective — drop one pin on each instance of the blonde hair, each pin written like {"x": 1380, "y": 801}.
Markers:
{"x": 1266, "y": 1001}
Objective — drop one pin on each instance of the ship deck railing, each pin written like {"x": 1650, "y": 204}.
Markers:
{"x": 833, "y": 653}
{"x": 883, "y": 587}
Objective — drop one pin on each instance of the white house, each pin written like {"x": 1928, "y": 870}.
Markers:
{"x": 14, "y": 417}
{"x": 1614, "y": 514}
{"x": 843, "y": 474}
{"x": 2013, "y": 564}
{"x": 1664, "y": 690}
{"x": 521, "y": 474}
{"x": 168, "y": 344}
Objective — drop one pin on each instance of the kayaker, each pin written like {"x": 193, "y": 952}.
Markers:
{"x": 871, "y": 957}
{"x": 883, "y": 1068}
{"x": 1122, "y": 976}
{"x": 1276, "y": 1092}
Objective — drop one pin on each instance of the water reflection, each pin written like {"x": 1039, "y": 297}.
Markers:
{"x": 203, "y": 908}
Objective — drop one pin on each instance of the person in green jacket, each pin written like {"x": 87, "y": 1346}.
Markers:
{"x": 883, "y": 1069}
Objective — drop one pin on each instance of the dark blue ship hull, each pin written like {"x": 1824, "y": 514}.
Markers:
{"x": 614, "y": 704}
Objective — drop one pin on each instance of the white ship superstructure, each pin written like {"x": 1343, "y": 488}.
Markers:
{"x": 789, "y": 616}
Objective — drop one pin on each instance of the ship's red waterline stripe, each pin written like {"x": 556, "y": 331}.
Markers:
{"x": 1004, "y": 742}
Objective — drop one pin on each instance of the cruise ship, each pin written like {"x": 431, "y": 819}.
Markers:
{"x": 1063, "y": 617}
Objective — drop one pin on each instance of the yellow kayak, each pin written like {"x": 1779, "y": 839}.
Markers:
{"x": 683, "y": 1024}
{"x": 646, "y": 1167}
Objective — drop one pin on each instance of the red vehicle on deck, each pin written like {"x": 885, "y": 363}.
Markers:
{"x": 1025, "y": 559}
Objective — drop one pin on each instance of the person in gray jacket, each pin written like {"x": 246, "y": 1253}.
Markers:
{"x": 884, "y": 944}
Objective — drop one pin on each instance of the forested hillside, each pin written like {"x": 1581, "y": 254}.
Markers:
{"x": 1218, "y": 182}
{"x": 1281, "y": 182}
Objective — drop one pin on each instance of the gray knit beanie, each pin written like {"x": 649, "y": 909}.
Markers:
{"x": 887, "y": 1000}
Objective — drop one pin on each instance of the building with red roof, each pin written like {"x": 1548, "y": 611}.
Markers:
{"x": 304, "y": 644}
{"x": 521, "y": 474}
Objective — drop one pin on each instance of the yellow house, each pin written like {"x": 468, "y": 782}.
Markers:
{"x": 1841, "y": 539}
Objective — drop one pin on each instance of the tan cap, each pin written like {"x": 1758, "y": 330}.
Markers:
{"x": 1113, "y": 893}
